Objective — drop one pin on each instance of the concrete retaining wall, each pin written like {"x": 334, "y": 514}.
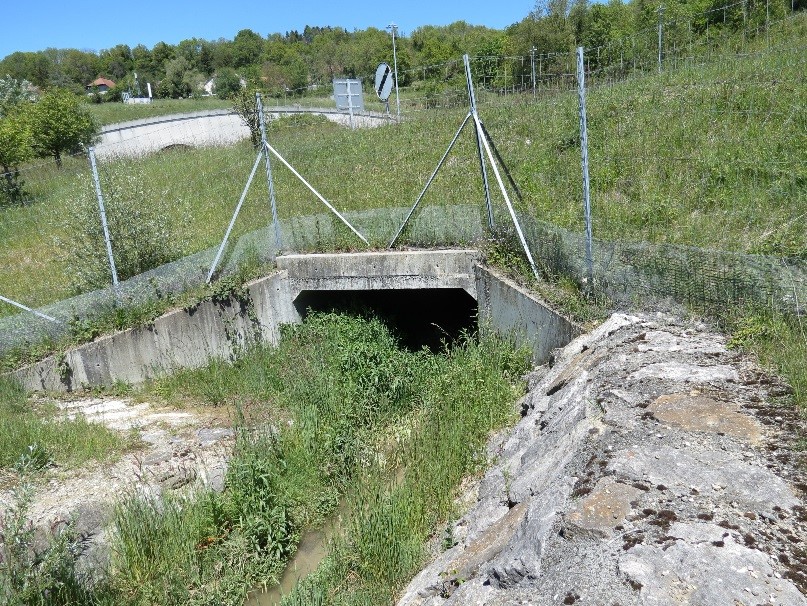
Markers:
{"x": 190, "y": 338}
{"x": 512, "y": 310}
{"x": 204, "y": 128}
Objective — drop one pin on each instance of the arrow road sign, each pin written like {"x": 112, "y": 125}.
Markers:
{"x": 383, "y": 81}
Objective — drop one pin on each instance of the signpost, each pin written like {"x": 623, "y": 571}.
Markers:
{"x": 383, "y": 83}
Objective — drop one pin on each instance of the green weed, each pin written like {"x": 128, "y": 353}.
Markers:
{"x": 33, "y": 432}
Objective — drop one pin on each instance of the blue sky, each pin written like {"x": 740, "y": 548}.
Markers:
{"x": 31, "y": 25}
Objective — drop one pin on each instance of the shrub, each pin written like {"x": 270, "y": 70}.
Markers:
{"x": 227, "y": 82}
{"x": 142, "y": 233}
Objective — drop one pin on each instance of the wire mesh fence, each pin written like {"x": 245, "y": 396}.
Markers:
{"x": 697, "y": 180}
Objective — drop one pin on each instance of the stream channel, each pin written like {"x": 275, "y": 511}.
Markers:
{"x": 310, "y": 552}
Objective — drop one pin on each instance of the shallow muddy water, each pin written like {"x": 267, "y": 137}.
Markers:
{"x": 312, "y": 550}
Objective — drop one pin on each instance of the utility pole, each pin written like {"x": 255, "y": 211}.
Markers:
{"x": 394, "y": 29}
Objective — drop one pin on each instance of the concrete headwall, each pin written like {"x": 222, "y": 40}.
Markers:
{"x": 425, "y": 269}
{"x": 511, "y": 310}
{"x": 190, "y": 338}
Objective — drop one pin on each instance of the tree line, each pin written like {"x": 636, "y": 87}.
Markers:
{"x": 296, "y": 60}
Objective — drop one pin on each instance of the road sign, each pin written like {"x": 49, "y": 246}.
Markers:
{"x": 347, "y": 94}
{"x": 383, "y": 81}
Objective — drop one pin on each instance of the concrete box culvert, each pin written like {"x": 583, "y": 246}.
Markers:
{"x": 190, "y": 338}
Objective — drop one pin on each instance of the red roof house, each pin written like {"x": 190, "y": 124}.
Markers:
{"x": 100, "y": 84}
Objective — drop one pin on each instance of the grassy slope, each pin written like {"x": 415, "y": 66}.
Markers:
{"x": 111, "y": 113}
{"x": 710, "y": 155}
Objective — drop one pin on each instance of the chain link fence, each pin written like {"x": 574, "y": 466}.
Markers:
{"x": 664, "y": 151}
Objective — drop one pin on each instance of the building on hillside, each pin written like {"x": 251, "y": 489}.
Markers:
{"x": 101, "y": 85}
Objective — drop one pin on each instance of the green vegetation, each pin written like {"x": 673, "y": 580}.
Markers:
{"x": 32, "y": 435}
{"x": 38, "y": 570}
{"x": 338, "y": 411}
{"x": 112, "y": 113}
{"x": 56, "y": 124}
{"x": 780, "y": 342}
{"x": 706, "y": 156}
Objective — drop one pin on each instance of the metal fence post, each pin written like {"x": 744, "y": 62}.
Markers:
{"x": 472, "y": 99}
{"x": 581, "y": 87}
{"x": 102, "y": 210}
{"x": 394, "y": 29}
{"x": 269, "y": 180}
{"x": 532, "y": 61}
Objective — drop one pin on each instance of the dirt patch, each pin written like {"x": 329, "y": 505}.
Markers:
{"x": 177, "y": 449}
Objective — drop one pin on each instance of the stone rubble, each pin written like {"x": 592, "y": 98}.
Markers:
{"x": 649, "y": 467}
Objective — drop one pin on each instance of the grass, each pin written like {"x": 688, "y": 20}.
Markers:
{"x": 337, "y": 411}
{"x": 112, "y": 113}
{"x": 33, "y": 435}
{"x": 779, "y": 341}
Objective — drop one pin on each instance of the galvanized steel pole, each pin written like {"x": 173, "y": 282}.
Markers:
{"x": 429, "y": 182}
{"x": 269, "y": 180}
{"x": 479, "y": 135}
{"x": 394, "y": 29}
{"x": 510, "y": 208}
{"x": 100, "y": 196}
{"x": 316, "y": 193}
{"x": 235, "y": 216}
{"x": 532, "y": 61}
{"x": 26, "y": 308}
{"x": 581, "y": 88}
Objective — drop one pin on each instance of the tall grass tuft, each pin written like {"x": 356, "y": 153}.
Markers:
{"x": 35, "y": 435}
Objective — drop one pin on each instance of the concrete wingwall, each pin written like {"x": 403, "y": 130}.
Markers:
{"x": 183, "y": 338}
{"x": 513, "y": 311}
{"x": 222, "y": 329}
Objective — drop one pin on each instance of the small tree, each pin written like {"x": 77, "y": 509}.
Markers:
{"x": 16, "y": 97}
{"x": 61, "y": 123}
{"x": 15, "y": 148}
{"x": 227, "y": 82}
{"x": 246, "y": 106}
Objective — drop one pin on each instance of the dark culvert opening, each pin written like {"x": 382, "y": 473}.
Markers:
{"x": 419, "y": 317}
